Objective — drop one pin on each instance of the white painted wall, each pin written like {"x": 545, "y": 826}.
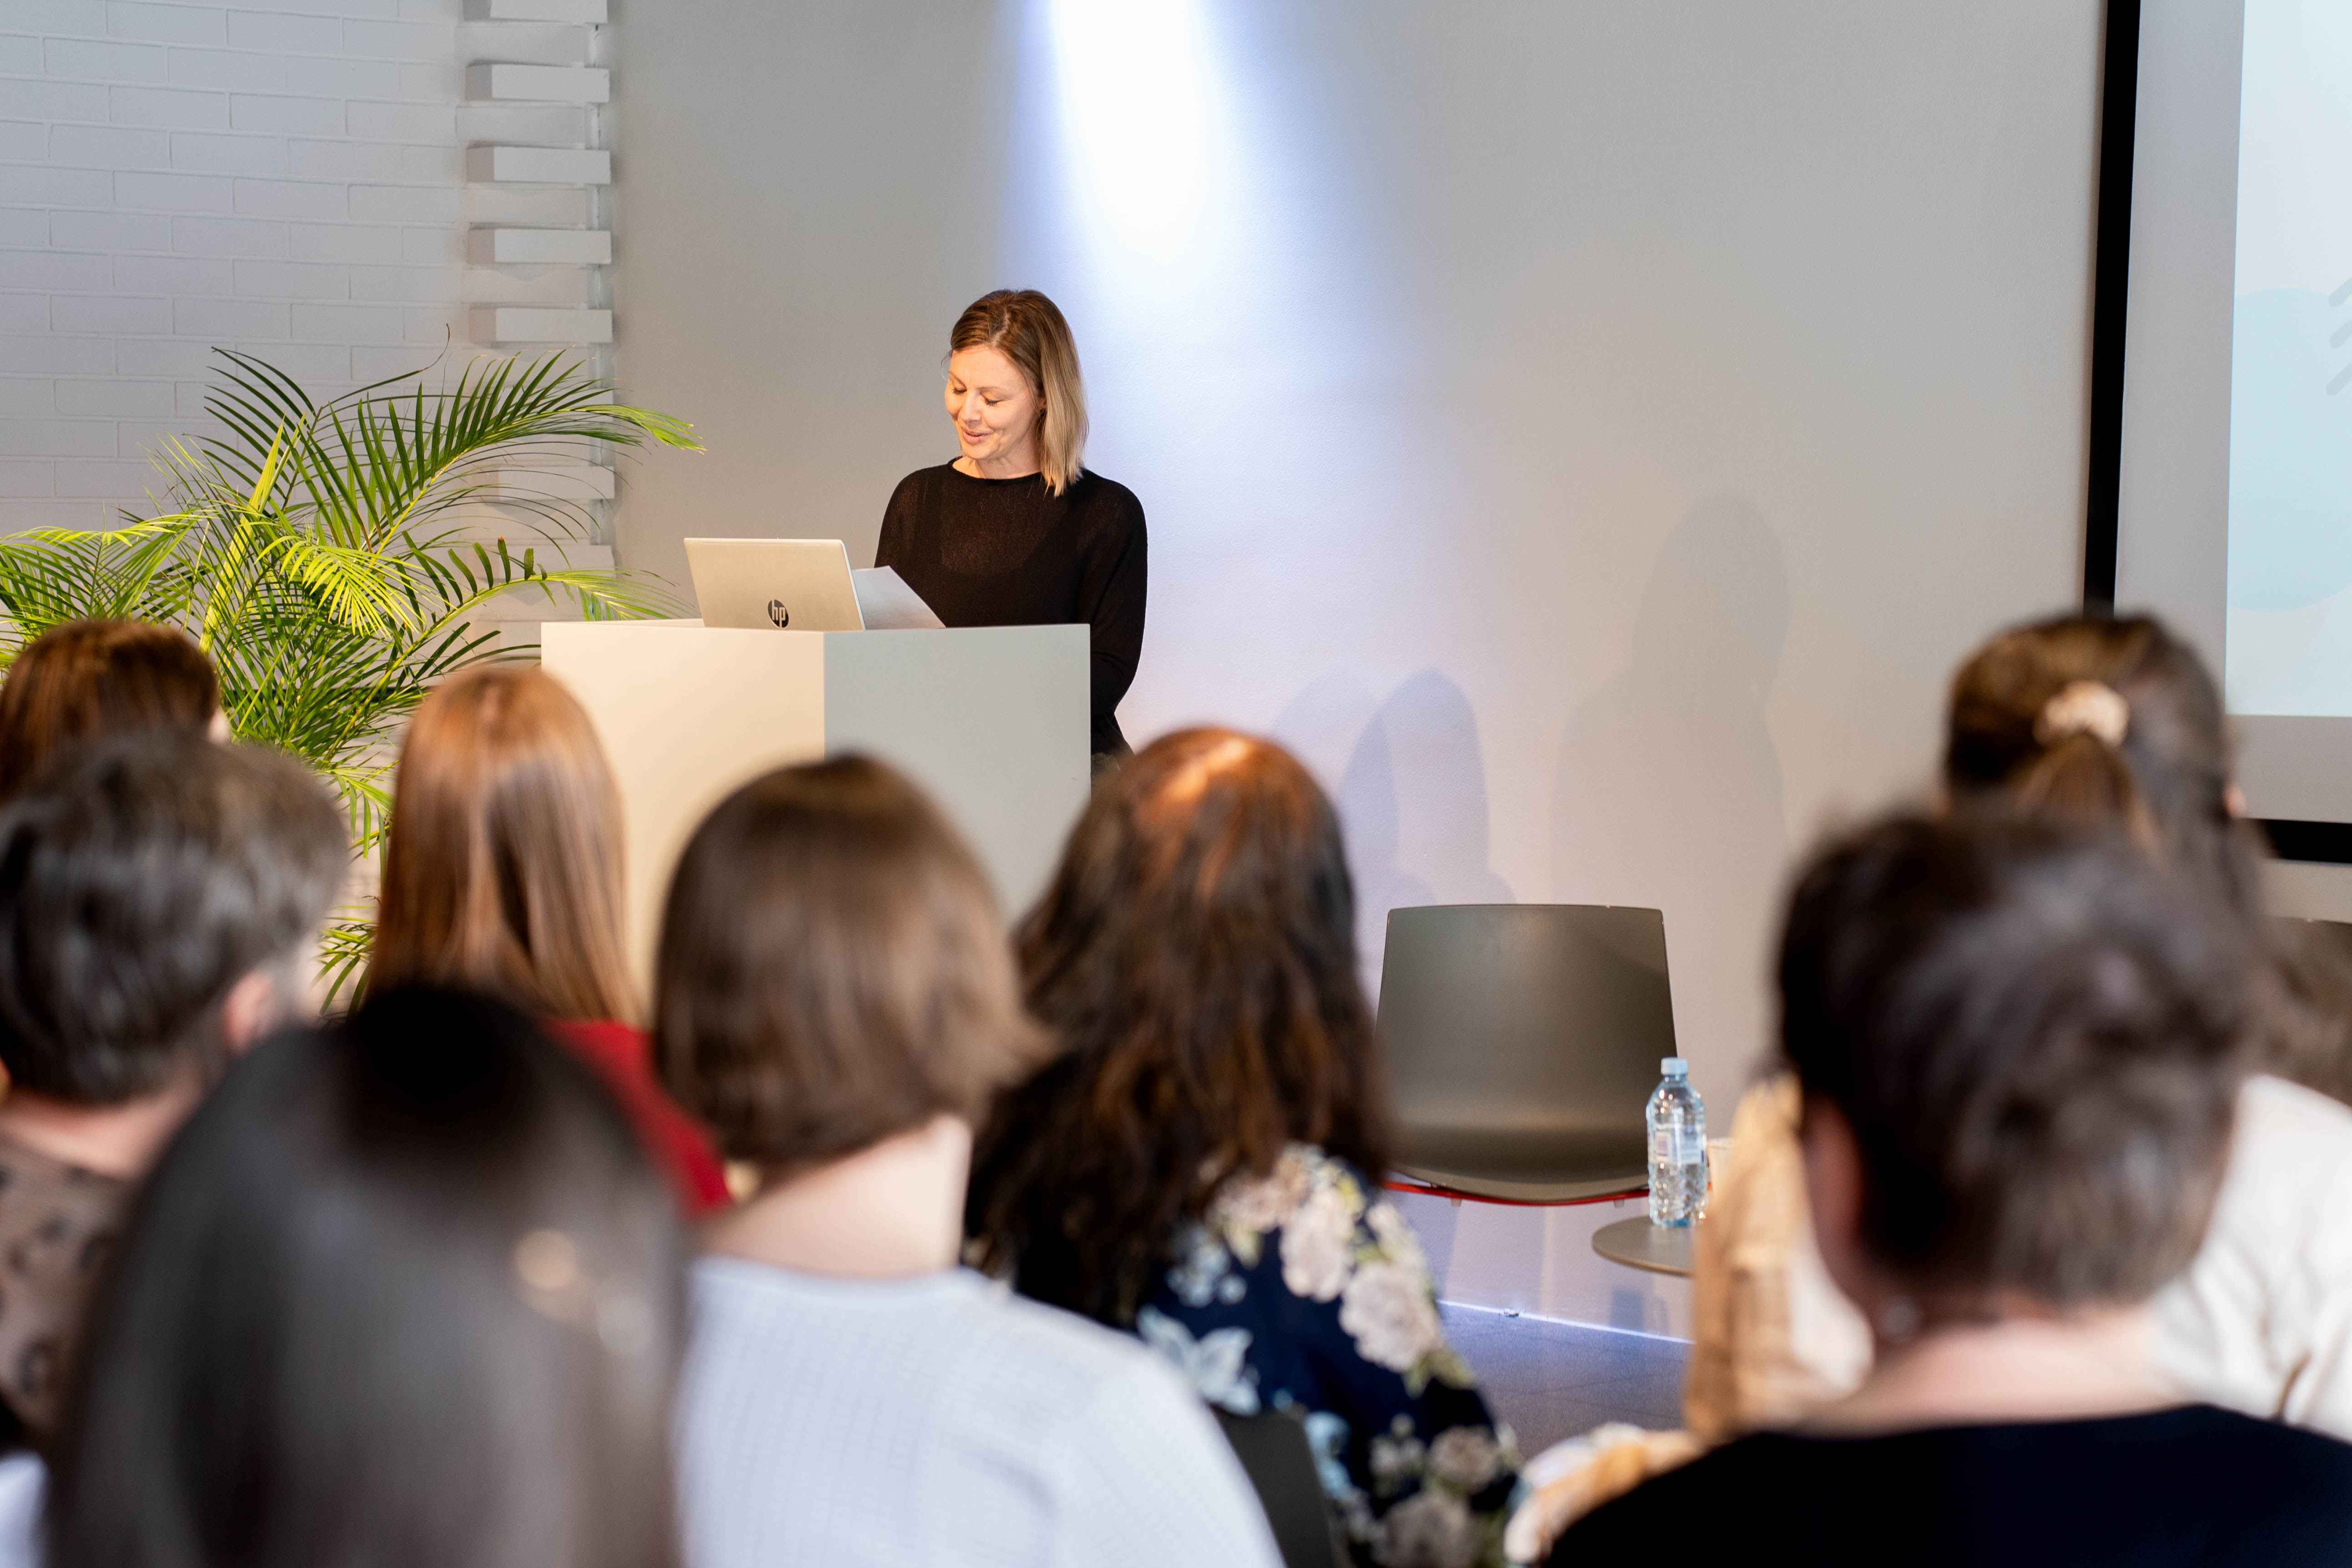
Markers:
{"x": 1589, "y": 433}
{"x": 286, "y": 177}
{"x": 1544, "y": 1266}
{"x": 2309, "y": 891}
{"x": 811, "y": 191}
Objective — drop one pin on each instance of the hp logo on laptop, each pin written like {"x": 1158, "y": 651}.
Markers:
{"x": 778, "y": 613}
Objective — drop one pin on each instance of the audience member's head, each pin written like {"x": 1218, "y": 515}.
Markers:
{"x": 503, "y": 869}
{"x": 159, "y": 896}
{"x": 2090, "y": 722}
{"x": 404, "y": 1292}
{"x": 2019, "y": 1048}
{"x": 1196, "y": 954}
{"x": 833, "y": 971}
{"x": 87, "y": 679}
{"x": 2095, "y": 721}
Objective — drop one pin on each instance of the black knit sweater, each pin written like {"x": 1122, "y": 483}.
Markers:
{"x": 1007, "y": 552}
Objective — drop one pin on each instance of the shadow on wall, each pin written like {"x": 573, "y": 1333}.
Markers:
{"x": 1411, "y": 786}
{"x": 1668, "y": 794}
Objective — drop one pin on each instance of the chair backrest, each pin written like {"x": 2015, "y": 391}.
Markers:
{"x": 2320, "y": 954}
{"x": 2339, "y": 932}
{"x": 1523, "y": 1040}
{"x": 1280, "y": 1462}
{"x": 2316, "y": 1050}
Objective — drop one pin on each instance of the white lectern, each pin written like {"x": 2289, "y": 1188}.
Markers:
{"x": 992, "y": 720}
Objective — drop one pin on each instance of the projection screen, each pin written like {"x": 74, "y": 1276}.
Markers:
{"x": 2235, "y": 470}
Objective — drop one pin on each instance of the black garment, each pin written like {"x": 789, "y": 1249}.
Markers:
{"x": 1008, "y": 552}
{"x": 2192, "y": 1485}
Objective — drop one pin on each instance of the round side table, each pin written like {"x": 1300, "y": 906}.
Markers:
{"x": 1638, "y": 1244}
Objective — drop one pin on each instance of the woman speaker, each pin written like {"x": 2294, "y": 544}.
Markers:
{"x": 1015, "y": 532}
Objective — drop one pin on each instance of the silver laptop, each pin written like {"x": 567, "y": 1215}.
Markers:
{"x": 798, "y": 585}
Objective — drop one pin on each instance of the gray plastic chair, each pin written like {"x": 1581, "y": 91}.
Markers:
{"x": 2337, "y": 934}
{"x": 2319, "y": 955}
{"x": 1523, "y": 1041}
{"x": 1273, "y": 1449}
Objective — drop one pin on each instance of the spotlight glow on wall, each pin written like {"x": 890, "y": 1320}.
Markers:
{"x": 1151, "y": 155}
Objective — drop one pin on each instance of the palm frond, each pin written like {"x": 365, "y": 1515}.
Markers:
{"x": 372, "y": 463}
{"x": 366, "y": 590}
{"x": 317, "y": 551}
{"x": 51, "y": 575}
{"x": 343, "y": 956}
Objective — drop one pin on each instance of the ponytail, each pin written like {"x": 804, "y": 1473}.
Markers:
{"x": 2083, "y": 781}
{"x": 2079, "y": 776}
{"x": 2099, "y": 721}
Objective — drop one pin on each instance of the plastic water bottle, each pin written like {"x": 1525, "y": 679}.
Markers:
{"x": 1676, "y": 1118}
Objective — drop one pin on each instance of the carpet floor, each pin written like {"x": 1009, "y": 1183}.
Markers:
{"x": 1551, "y": 1380}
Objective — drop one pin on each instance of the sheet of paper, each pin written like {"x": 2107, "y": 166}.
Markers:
{"x": 887, "y": 604}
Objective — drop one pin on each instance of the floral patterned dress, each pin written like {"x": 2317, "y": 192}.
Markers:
{"x": 1305, "y": 1291}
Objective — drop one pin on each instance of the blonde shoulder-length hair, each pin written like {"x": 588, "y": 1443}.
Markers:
{"x": 1027, "y": 328}
{"x": 503, "y": 869}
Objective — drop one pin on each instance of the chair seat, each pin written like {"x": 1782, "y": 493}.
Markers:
{"x": 1624, "y": 1184}
{"x": 1537, "y": 1164}
{"x": 1564, "y": 1155}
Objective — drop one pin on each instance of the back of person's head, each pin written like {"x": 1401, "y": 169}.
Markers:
{"x": 831, "y": 970}
{"x": 141, "y": 879}
{"x": 2096, "y": 721}
{"x": 88, "y": 678}
{"x": 1196, "y": 954}
{"x": 2034, "y": 1038}
{"x": 503, "y": 869}
{"x": 402, "y": 1293}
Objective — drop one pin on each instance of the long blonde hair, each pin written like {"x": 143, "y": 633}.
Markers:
{"x": 502, "y": 871}
{"x": 1027, "y": 328}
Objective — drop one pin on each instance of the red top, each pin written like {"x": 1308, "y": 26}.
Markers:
{"x": 622, "y": 1057}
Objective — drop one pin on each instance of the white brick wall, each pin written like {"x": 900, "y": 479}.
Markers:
{"x": 286, "y": 179}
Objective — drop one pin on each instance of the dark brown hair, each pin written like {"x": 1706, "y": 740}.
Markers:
{"x": 1027, "y": 328}
{"x": 141, "y": 877}
{"x": 502, "y": 871}
{"x": 402, "y": 1293}
{"x": 2036, "y": 1036}
{"x": 1196, "y": 953}
{"x": 87, "y": 679}
{"x": 2166, "y": 782}
{"x": 831, "y": 970}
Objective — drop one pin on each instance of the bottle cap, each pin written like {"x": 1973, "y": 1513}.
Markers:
{"x": 1675, "y": 1067}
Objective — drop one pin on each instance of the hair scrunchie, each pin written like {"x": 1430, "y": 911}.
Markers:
{"x": 2084, "y": 708}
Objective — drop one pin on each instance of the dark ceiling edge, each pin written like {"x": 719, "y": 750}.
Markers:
{"x": 2323, "y": 842}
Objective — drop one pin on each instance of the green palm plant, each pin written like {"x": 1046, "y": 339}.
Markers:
{"x": 325, "y": 554}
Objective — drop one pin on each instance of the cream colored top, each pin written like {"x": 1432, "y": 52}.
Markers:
{"x": 2262, "y": 1322}
{"x": 1772, "y": 1340}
